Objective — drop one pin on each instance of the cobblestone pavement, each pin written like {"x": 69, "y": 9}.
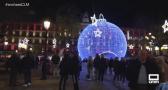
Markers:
{"x": 53, "y": 82}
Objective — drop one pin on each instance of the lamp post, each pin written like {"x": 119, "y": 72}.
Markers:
{"x": 46, "y": 26}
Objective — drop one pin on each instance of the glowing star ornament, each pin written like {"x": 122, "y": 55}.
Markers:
{"x": 102, "y": 38}
{"x": 94, "y": 20}
{"x": 131, "y": 46}
{"x": 67, "y": 45}
{"x": 97, "y": 33}
{"x": 25, "y": 41}
{"x": 165, "y": 26}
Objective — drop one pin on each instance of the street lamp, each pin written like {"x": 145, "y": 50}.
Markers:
{"x": 46, "y": 26}
{"x": 67, "y": 45}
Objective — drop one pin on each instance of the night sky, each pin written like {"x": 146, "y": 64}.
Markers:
{"x": 127, "y": 13}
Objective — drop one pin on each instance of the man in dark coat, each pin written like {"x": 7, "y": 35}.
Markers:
{"x": 55, "y": 61}
{"x": 116, "y": 65}
{"x": 123, "y": 70}
{"x": 96, "y": 65}
{"x": 75, "y": 69}
{"x": 64, "y": 70}
{"x": 27, "y": 65}
{"x": 14, "y": 69}
{"x": 110, "y": 64}
{"x": 101, "y": 68}
{"x": 36, "y": 62}
{"x": 45, "y": 67}
{"x": 132, "y": 72}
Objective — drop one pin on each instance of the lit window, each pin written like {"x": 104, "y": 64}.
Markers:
{"x": 13, "y": 40}
{"x": 69, "y": 35}
{"x": 33, "y": 41}
{"x": 19, "y": 39}
{"x": 47, "y": 34}
{"x": 40, "y": 41}
{"x": 40, "y": 34}
{"x": 65, "y": 33}
{"x": 13, "y": 32}
{"x": 47, "y": 41}
{"x": 27, "y": 33}
{"x": 6, "y": 38}
{"x": 34, "y": 33}
{"x": 20, "y": 33}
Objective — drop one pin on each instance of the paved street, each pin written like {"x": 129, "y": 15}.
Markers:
{"x": 53, "y": 82}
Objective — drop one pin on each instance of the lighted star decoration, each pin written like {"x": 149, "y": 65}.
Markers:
{"x": 25, "y": 41}
{"x": 97, "y": 33}
{"x": 67, "y": 45}
{"x": 165, "y": 26}
{"x": 54, "y": 41}
{"x": 131, "y": 46}
{"x": 94, "y": 20}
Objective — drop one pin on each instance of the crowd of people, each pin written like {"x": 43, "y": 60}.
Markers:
{"x": 99, "y": 66}
{"x": 21, "y": 64}
{"x": 68, "y": 65}
{"x": 134, "y": 70}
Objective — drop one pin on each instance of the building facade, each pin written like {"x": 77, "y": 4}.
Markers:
{"x": 39, "y": 38}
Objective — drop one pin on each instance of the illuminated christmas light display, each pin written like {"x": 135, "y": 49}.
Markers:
{"x": 23, "y": 43}
{"x": 131, "y": 46}
{"x": 165, "y": 26}
{"x": 67, "y": 45}
{"x": 102, "y": 37}
{"x": 54, "y": 42}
